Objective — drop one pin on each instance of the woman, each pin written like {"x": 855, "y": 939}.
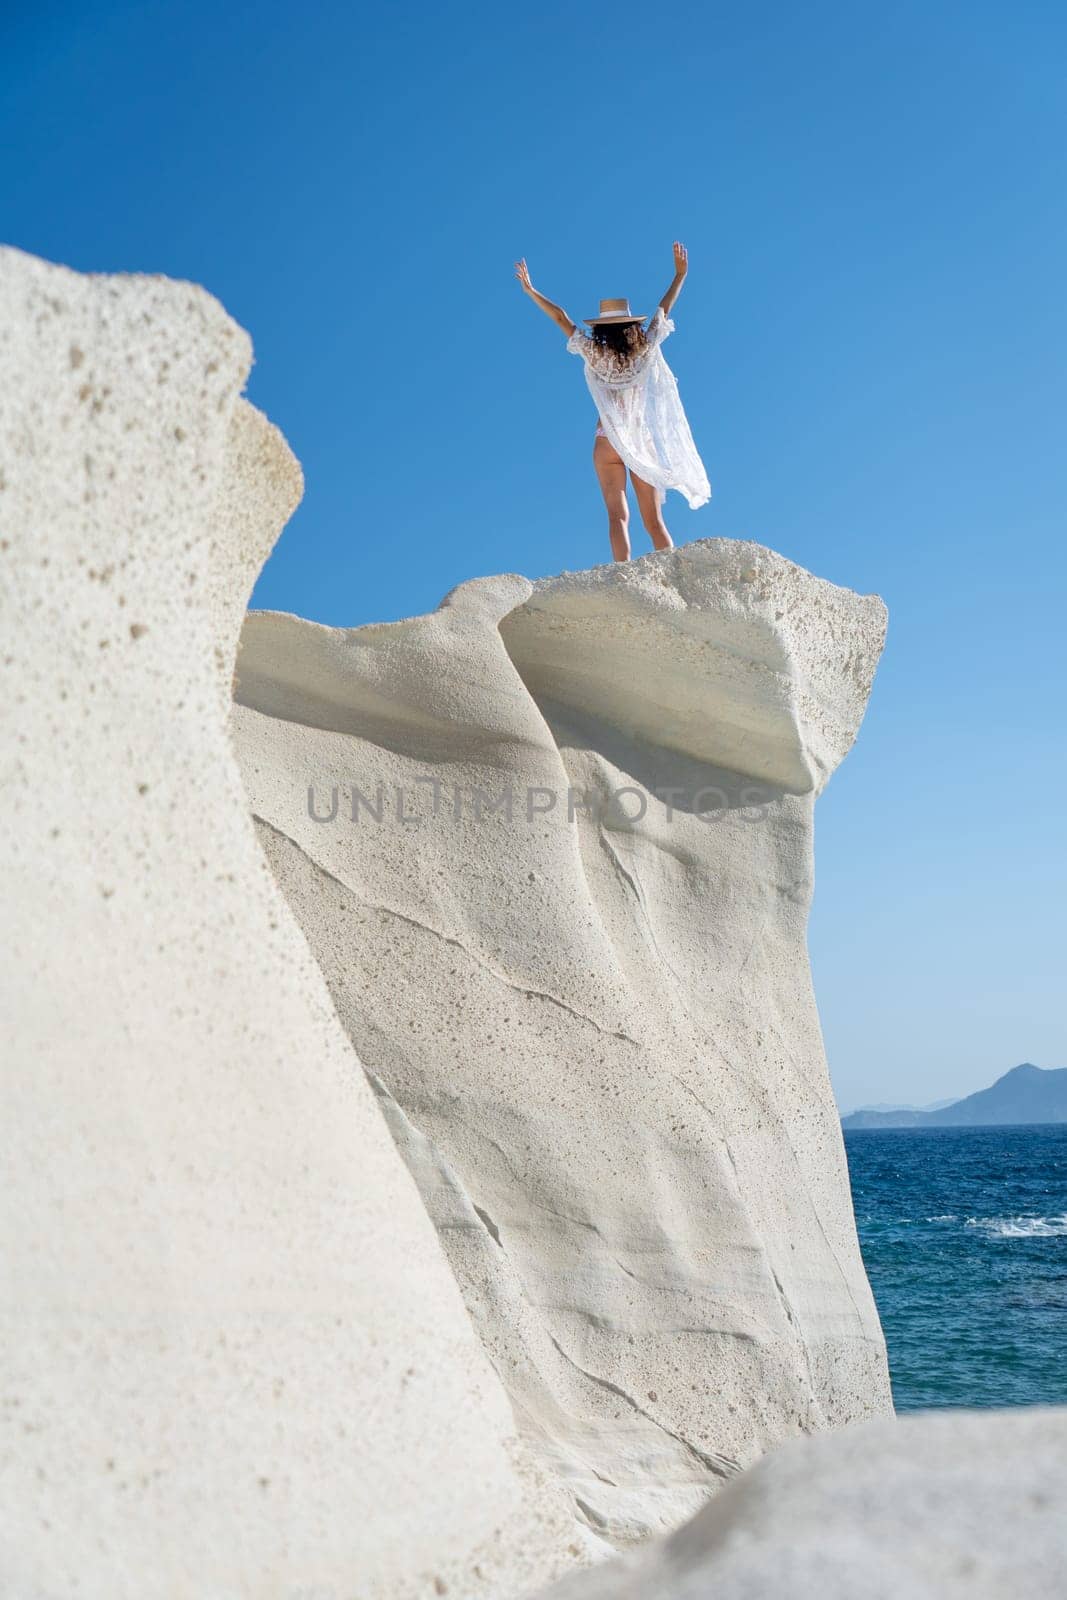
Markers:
{"x": 641, "y": 423}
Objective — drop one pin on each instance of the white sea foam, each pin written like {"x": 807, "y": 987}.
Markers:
{"x": 1020, "y": 1227}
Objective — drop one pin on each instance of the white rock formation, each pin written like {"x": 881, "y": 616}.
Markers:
{"x": 595, "y": 1037}
{"x": 950, "y": 1505}
{"x": 235, "y": 1361}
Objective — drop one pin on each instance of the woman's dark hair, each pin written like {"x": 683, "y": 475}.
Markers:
{"x": 624, "y": 338}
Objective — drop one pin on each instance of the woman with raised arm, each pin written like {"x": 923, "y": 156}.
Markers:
{"x": 641, "y": 423}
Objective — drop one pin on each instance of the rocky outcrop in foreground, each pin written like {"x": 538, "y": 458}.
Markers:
{"x": 235, "y": 1360}
{"x": 551, "y": 846}
{"x": 951, "y": 1505}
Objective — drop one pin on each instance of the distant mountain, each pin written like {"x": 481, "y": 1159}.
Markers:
{"x": 933, "y": 1105}
{"x": 1025, "y": 1094}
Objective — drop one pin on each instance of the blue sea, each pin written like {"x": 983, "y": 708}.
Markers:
{"x": 964, "y": 1236}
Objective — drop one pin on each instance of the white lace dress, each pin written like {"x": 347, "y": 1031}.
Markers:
{"x": 641, "y": 413}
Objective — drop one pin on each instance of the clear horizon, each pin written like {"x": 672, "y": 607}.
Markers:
{"x": 871, "y": 347}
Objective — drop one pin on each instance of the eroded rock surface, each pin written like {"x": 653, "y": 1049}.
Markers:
{"x": 591, "y": 1026}
{"x": 235, "y": 1360}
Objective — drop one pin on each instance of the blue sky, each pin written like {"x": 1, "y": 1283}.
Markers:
{"x": 871, "y": 347}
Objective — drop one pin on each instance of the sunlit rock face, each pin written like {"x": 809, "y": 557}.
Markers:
{"x": 235, "y": 1360}
{"x": 551, "y": 846}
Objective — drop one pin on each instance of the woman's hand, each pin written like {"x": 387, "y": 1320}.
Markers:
{"x": 557, "y": 313}
{"x": 681, "y": 267}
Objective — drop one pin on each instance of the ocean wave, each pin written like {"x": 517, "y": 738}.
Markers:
{"x": 949, "y": 1216}
{"x": 1020, "y": 1227}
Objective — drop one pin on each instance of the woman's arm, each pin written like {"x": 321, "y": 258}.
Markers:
{"x": 557, "y": 313}
{"x": 681, "y": 267}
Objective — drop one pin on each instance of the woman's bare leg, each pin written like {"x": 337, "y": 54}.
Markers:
{"x": 651, "y": 515}
{"x": 611, "y": 470}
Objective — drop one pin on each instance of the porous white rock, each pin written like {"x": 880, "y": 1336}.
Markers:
{"x": 594, "y": 1034}
{"x": 950, "y": 1505}
{"x": 722, "y": 651}
{"x": 235, "y": 1360}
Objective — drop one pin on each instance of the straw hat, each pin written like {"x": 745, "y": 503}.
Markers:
{"x": 614, "y": 311}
